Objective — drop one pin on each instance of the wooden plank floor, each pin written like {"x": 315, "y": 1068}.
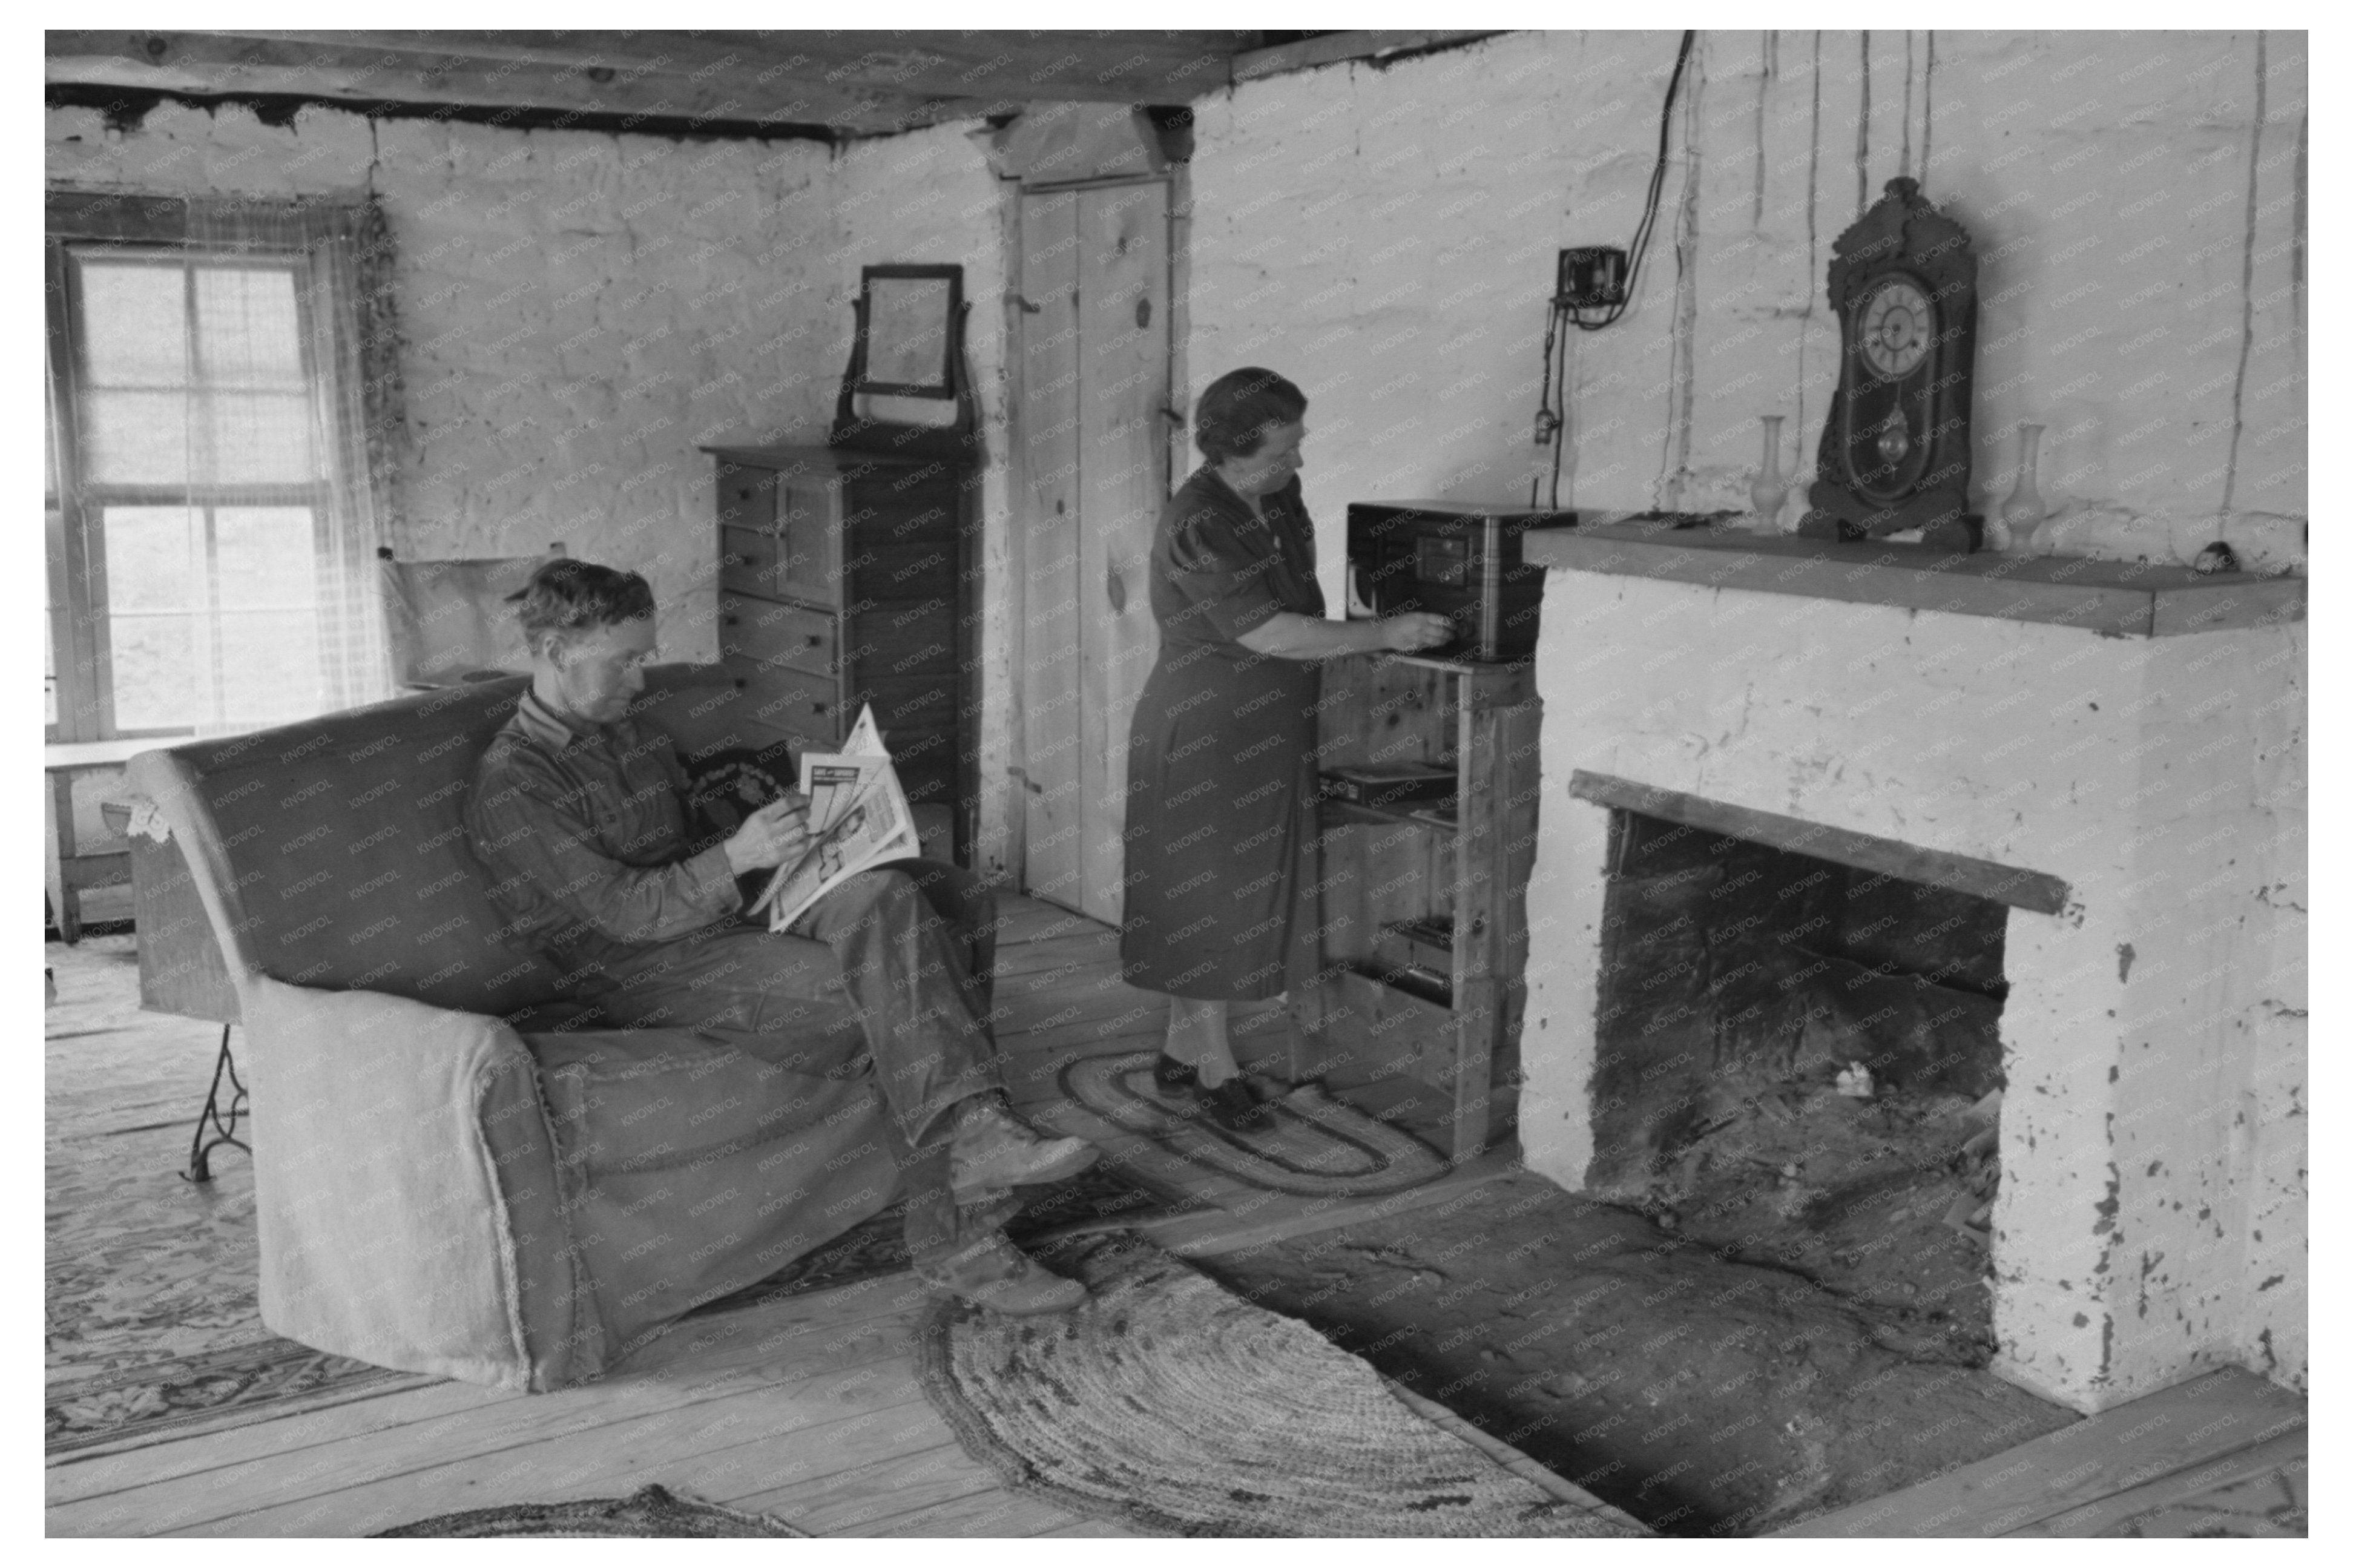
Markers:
{"x": 805, "y": 1408}
{"x": 2226, "y": 1450}
{"x": 808, "y": 1408}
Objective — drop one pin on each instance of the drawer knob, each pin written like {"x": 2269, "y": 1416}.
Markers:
{"x": 815, "y": 640}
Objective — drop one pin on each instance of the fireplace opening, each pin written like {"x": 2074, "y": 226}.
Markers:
{"x": 1799, "y": 1065}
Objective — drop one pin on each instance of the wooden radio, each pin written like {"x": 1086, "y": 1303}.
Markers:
{"x": 1459, "y": 559}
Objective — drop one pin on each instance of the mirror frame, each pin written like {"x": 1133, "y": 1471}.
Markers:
{"x": 944, "y": 386}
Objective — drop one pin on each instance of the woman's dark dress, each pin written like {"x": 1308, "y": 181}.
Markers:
{"x": 1220, "y": 765}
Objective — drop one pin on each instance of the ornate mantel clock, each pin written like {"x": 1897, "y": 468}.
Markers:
{"x": 1896, "y": 448}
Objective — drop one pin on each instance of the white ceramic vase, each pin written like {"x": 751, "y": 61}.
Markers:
{"x": 1768, "y": 490}
{"x": 2023, "y": 514}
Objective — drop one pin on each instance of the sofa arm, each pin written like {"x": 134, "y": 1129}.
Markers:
{"x": 404, "y": 1186}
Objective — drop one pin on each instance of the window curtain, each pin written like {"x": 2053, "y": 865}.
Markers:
{"x": 275, "y": 424}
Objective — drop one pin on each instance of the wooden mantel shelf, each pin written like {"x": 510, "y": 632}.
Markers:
{"x": 2114, "y": 598}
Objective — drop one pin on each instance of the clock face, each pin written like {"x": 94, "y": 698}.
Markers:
{"x": 1892, "y": 326}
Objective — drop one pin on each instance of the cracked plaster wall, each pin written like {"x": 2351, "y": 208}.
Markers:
{"x": 1385, "y": 237}
{"x": 580, "y": 310}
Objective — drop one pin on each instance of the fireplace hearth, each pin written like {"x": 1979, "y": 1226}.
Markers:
{"x": 1799, "y": 1062}
{"x": 2095, "y": 771}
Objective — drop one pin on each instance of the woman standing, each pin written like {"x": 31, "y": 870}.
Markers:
{"x": 1222, "y": 755}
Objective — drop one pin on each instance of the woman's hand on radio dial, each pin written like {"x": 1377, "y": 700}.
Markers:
{"x": 1415, "y": 630}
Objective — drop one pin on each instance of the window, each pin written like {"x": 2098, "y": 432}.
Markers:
{"x": 211, "y": 513}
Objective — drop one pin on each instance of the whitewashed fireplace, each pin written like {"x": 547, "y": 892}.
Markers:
{"x": 2133, "y": 737}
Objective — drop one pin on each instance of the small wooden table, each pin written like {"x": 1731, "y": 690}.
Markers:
{"x": 71, "y": 868}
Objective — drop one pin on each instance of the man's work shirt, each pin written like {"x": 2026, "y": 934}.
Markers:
{"x": 584, "y": 835}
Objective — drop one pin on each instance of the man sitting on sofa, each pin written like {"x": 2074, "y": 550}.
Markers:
{"x": 582, "y": 820}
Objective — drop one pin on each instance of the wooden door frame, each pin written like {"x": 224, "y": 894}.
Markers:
{"x": 1017, "y": 460}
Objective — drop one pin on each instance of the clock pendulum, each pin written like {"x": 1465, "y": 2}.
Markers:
{"x": 1896, "y": 446}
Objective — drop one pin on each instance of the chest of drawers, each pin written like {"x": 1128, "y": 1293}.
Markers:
{"x": 845, "y": 578}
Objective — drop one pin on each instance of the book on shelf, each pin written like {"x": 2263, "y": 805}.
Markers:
{"x": 1414, "y": 980}
{"x": 1396, "y": 785}
{"x": 1427, "y": 943}
{"x": 1429, "y": 930}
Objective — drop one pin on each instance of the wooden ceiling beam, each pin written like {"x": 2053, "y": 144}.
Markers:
{"x": 1018, "y": 66}
{"x": 861, "y": 84}
{"x": 1330, "y": 49}
{"x": 206, "y": 63}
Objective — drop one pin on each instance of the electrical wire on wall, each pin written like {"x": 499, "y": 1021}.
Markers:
{"x": 1552, "y": 423}
{"x": 1596, "y": 272}
{"x": 1641, "y": 242}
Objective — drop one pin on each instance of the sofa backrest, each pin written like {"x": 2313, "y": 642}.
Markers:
{"x": 336, "y": 850}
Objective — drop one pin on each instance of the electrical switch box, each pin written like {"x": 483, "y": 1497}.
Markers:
{"x": 1591, "y": 277}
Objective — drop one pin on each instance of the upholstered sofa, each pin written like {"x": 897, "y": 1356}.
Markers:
{"x": 453, "y": 1173}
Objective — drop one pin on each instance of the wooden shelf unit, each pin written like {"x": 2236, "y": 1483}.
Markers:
{"x": 846, "y": 578}
{"x": 1391, "y": 867}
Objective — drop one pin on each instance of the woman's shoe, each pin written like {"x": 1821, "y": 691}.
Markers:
{"x": 1232, "y": 1107}
{"x": 1171, "y": 1077}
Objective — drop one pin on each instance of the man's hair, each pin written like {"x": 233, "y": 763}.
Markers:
{"x": 575, "y": 596}
{"x": 1238, "y": 411}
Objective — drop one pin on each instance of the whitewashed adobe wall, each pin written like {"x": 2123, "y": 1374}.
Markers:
{"x": 580, "y": 310}
{"x": 1385, "y": 237}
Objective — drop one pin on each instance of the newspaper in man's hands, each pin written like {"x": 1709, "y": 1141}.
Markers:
{"x": 858, "y": 817}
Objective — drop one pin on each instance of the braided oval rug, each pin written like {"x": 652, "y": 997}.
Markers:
{"x": 1313, "y": 1146}
{"x": 1172, "y": 1406}
{"x": 653, "y": 1511}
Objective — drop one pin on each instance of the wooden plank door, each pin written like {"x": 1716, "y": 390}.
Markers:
{"x": 1122, "y": 471}
{"x": 1095, "y": 354}
{"x": 1047, "y": 517}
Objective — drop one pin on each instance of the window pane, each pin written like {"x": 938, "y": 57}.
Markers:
{"x": 134, "y": 322}
{"x": 265, "y": 556}
{"x": 247, "y": 333}
{"x": 136, "y": 438}
{"x": 52, "y": 536}
{"x": 269, "y": 666}
{"x": 158, "y": 680}
{"x": 49, "y": 634}
{"x": 260, "y": 438}
{"x": 155, "y": 559}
